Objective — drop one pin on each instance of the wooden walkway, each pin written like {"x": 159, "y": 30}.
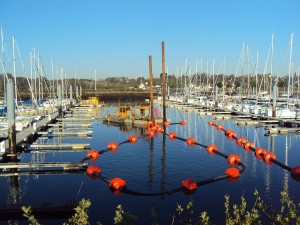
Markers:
{"x": 25, "y": 133}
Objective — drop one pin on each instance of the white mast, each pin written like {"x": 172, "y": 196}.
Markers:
{"x": 53, "y": 80}
{"x": 2, "y": 41}
{"x": 248, "y": 68}
{"x": 31, "y": 67}
{"x": 15, "y": 72}
{"x": 39, "y": 76}
{"x": 271, "y": 66}
{"x": 3, "y": 62}
{"x": 243, "y": 50}
{"x": 224, "y": 84}
{"x": 95, "y": 81}
{"x": 256, "y": 76}
{"x": 290, "y": 66}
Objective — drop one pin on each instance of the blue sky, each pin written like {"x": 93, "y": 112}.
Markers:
{"x": 116, "y": 37}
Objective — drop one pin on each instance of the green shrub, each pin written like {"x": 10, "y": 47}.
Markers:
{"x": 258, "y": 213}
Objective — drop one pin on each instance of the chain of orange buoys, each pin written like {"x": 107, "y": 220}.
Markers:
{"x": 260, "y": 153}
{"x": 118, "y": 185}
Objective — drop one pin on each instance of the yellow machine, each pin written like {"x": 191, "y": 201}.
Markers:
{"x": 93, "y": 100}
{"x": 123, "y": 111}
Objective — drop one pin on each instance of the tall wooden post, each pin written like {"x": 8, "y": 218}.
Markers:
{"x": 151, "y": 89}
{"x": 163, "y": 81}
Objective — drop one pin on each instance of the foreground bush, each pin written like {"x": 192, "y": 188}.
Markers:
{"x": 258, "y": 213}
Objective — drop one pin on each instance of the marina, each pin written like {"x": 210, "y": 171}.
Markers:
{"x": 156, "y": 166}
{"x": 135, "y": 152}
{"x": 104, "y": 125}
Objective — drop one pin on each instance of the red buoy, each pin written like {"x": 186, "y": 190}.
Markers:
{"x": 132, "y": 139}
{"x": 232, "y": 172}
{"x": 295, "y": 173}
{"x": 220, "y": 127}
{"x": 189, "y": 184}
{"x": 167, "y": 123}
{"x": 172, "y": 136}
{"x": 211, "y": 148}
{"x": 150, "y": 133}
{"x": 259, "y": 153}
{"x": 231, "y": 135}
{"x": 233, "y": 160}
{"x": 248, "y": 145}
{"x": 227, "y": 132}
{"x": 159, "y": 128}
{"x": 268, "y": 156}
{"x": 212, "y": 123}
{"x": 150, "y": 124}
{"x": 93, "y": 155}
{"x": 182, "y": 123}
{"x": 92, "y": 171}
{"x": 113, "y": 146}
{"x": 190, "y": 141}
{"x": 117, "y": 183}
{"x": 240, "y": 141}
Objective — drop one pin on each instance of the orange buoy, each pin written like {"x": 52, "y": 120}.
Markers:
{"x": 159, "y": 128}
{"x": 295, "y": 173}
{"x": 189, "y": 184}
{"x": 172, "y": 136}
{"x": 232, "y": 172}
{"x": 268, "y": 156}
{"x": 182, "y": 123}
{"x": 92, "y": 171}
{"x": 259, "y": 153}
{"x": 240, "y": 141}
{"x": 93, "y": 155}
{"x": 211, "y": 148}
{"x": 227, "y": 132}
{"x": 150, "y": 133}
{"x": 167, "y": 123}
{"x": 231, "y": 135}
{"x": 113, "y": 146}
{"x": 233, "y": 160}
{"x": 190, "y": 141}
{"x": 248, "y": 145}
{"x": 150, "y": 124}
{"x": 212, "y": 123}
{"x": 132, "y": 139}
{"x": 117, "y": 183}
{"x": 220, "y": 127}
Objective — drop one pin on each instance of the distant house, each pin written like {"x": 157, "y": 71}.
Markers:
{"x": 142, "y": 86}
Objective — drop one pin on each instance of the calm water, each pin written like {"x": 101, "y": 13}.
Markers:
{"x": 160, "y": 166}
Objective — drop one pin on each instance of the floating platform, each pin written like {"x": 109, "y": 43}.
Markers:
{"x": 283, "y": 130}
{"x": 257, "y": 122}
{"x": 65, "y": 133}
{"x": 61, "y": 165}
{"x": 58, "y": 146}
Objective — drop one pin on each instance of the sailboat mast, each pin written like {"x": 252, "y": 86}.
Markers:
{"x": 52, "y": 75}
{"x": 31, "y": 68}
{"x": 95, "y": 81}
{"x": 224, "y": 84}
{"x": 290, "y": 66}
{"x": 15, "y": 72}
{"x": 3, "y": 62}
{"x": 271, "y": 66}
